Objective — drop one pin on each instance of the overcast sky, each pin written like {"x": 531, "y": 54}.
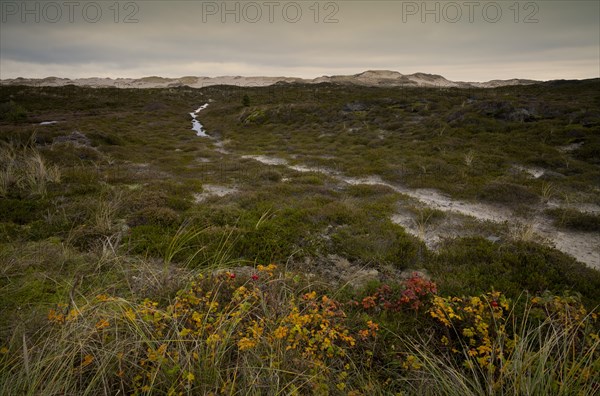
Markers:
{"x": 461, "y": 40}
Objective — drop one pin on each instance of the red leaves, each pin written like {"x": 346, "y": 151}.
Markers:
{"x": 416, "y": 292}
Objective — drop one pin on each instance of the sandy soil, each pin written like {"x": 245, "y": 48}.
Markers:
{"x": 584, "y": 247}
{"x": 368, "y": 78}
{"x": 209, "y": 190}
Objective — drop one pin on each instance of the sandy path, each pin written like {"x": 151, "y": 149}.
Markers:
{"x": 585, "y": 247}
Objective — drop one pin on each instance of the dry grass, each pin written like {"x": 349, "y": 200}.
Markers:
{"x": 24, "y": 169}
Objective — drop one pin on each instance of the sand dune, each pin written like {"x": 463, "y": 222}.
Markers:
{"x": 384, "y": 78}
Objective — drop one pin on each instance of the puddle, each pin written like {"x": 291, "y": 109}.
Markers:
{"x": 48, "y": 122}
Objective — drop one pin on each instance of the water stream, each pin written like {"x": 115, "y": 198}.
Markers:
{"x": 196, "y": 125}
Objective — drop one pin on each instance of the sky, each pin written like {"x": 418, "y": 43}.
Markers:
{"x": 461, "y": 40}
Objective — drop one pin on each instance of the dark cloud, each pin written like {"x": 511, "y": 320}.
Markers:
{"x": 174, "y": 38}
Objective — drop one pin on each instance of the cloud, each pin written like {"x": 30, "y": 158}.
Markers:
{"x": 181, "y": 38}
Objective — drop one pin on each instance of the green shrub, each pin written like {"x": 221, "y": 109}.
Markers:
{"x": 161, "y": 216}
{"x": 573, "y": 219}
{"x": 12, "y": 112}
{"x": 508, "y": 194}
{"x": 474, "y": 265}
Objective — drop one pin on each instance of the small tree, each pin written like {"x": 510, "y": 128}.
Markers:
{"x": 246, "y": 100}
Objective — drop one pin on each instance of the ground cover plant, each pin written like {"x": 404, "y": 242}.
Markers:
{"x": 326, "y": 239}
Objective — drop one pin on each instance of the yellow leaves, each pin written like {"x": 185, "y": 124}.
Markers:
{"x": 104, "y": 298}
{"x": 87, "y": 360}
{"x": 269, "y": 269}
{"x": 197, "y": 317}
{"x": 3, "y": 350}
{"x": 412, "y": 363}
{"x": 484, "y": 350}
{"x": 246, "y": 343}
{"x": 213, "y": 339}
{"x": 310, "y": 296}
{"x": 256, "y": 330}
{"x": 370, "y": 331}
{"x": 156, "y": 355}
{"x": 482, "y": 327}
{"x": 130, "y": 314}
{"x": 102, "y": 324}
{"x": 204, "y": 322}
{"x": 566, "y": 310}
{"x": 468, "y": 332}
{"x": 280, "y": 333}
{"x": 184, "y": 332}
{"x": 477, "y": 322}
{"x": 56, "y": 317}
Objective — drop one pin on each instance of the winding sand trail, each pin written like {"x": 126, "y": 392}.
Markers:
{"x": 585, "y": 247}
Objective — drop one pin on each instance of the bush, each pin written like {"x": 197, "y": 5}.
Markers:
{"x": 160, "y": 216}
{"x": 247, "y": 329}
{"x": 474, "y": 265}
{"x": 508, "y": 194}
{"x": 575, "y": 220}
{"x": 12, "y": 112}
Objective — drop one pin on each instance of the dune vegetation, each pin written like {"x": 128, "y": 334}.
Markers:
{"x": 324, "y": 239}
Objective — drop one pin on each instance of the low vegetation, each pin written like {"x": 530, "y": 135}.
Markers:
{"x": 137, "y": 258}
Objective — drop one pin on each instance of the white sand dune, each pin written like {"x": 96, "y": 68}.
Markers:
{"x": 369, "y": 78}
